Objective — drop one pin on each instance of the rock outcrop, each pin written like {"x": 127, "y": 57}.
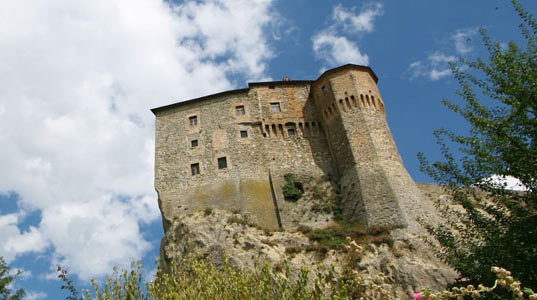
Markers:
{"x": 403, "y": 259}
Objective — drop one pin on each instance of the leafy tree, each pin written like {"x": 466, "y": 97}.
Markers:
{"x": 5, "y": 280}
{"x": 497, "y": 227}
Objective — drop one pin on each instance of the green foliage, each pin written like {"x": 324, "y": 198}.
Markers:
{"x": 207, "y": 211}
{"x": 292, "y": 189}
{"x": 340, "y": 234}
{"x": 497, "y": 227}
{"x": 196, "y": 278}
{"x": 237, "y": 218}
{"x": 5, "y": 280}
{"x": 124, "y": 285}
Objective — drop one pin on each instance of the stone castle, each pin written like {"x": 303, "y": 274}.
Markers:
{"x": 231, "y": 150}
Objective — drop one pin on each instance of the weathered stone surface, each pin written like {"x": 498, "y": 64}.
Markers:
{"x": 407, "y": 266}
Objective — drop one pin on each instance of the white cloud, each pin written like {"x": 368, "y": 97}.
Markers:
{"x": 15, "y": 241}
{"x": 32, "y": 295}
{"x": 357, "y": 23}
{"x": 78, "y": 80}
{"x": 463, "y": 40}
{"x": 338, "y": 50}
{"x": 335, "y": 45}
{"x": 507, "y": 182}
{"x": 89, "y": 235}
{"x": 436, "y": 65}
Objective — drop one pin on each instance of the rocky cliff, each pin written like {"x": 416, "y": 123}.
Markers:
{"x": 399, "y": 256}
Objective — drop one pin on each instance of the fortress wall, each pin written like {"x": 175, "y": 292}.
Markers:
{"x": 334, "y": 126}
{"x": 295, "y": 141}
{"x": 218, "y": 134}
{"x": 244, "y": 183}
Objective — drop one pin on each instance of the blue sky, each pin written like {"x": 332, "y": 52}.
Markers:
{"x": 78, "y": 80}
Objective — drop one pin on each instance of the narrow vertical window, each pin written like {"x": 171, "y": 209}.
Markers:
{"x": 222, "y": 162}
{"x": 239, "y": 110}
{"x": 275, "y": 107}
{"x": 193, "y": 120}
{"x": 194, "y": 143}
{"x": 244, "y": 133}
{"x": 195, "y": 169}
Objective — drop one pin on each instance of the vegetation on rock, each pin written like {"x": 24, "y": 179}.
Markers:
{"x": 292, "y": 190}
{"x": 196, "y": 278}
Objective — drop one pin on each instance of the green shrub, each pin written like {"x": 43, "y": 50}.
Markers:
{"x": 292, "y": 190}
{"x": 207, "y": 211}
{"x": 241, "y": 220}
{"x": 196, "y": 278}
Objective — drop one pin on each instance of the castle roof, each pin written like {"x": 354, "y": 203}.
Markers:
{"x": 284, "y": 82}
{"x": 350, "y": 66}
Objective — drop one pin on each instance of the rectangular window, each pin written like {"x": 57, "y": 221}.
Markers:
{"x": 239, "y": 110}
{"x": 195, "y": 169}
{"x": 194, "y": 143}
{"x": 222, "y": 162}
{"x": 193, "y": 121}
{"x": 244, "y": 133}
{"x": 275, "y": 107}
{"x": 291, "y": 132}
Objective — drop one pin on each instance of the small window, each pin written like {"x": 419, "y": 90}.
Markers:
{"x": 194, "y": 143}
{"x": 193, "y": 121}
{"x": 291, "y": 132}
{"x": 244, "y": 133}
{"x": 222, "y": 162}
{"x": 195, "y": 169}
{"x": 239, "y": 110}
{"x": 275, "y": 107}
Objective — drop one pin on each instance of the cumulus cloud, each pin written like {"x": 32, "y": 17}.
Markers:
{"x": 78, "y": 80}
{"x": 436, "y": 65}
{"x": 15, "y": 241}
{"x": 336, "y": 45}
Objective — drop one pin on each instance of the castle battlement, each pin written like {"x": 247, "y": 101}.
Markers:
{"x": 230, "y": 150}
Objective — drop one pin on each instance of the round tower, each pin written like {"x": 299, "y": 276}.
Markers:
{"x": 375, "y": 187}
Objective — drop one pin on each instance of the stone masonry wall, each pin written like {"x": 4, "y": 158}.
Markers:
{"x": 372, "y": 176}
{"x": 231, "y": 150}
{"x": 256, "y": 143}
